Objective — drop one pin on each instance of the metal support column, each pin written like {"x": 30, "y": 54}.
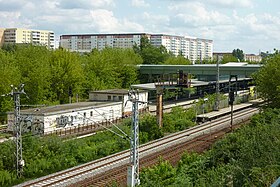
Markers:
{"x": 133, "y": 169}
{"x": 159, "y": 106}
{"x": 217, "y": 102}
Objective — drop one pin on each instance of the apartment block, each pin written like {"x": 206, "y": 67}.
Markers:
{"x": 1, "y": 37}
{"x": 25, "y": 36}
{"x": 85, "y": 43}
{"x": 252, "y": 58}
{"x": 192, "y": 48}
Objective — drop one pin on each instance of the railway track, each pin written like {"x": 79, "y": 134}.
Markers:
{"x": 113, "y": 167}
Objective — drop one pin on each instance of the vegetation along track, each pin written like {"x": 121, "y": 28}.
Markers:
{"x": 113, "y": 167}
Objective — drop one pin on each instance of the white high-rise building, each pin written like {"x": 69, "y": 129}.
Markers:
{"x": 195, "y": 49}
{"x": 24, "y": 36}
{"x": 88, "y": 42}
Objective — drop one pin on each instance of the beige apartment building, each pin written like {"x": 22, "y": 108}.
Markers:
{"x": 24, "y": 36}
{"x": 1, "y": 36}
{"x": 192, "y": 48}
{"x": 252, "y": 58}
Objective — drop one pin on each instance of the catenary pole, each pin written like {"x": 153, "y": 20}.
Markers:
{"x": 133, "y": 168}
{"x": 15, "y": 94}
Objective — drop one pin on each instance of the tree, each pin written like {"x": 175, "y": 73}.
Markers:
{"x": 268, "y": 80}
{"x": 67, "y": 72}
{"x": 179, "y": 60}
{"x": 229, "y": 58}
{"x": 33, "y": 62}
{"x": 238, "y": 53}
{"x": 111, "y": 68}
{"x": 151, "y": 54}
{"x": 9, "y": 75}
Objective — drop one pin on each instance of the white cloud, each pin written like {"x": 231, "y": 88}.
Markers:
{"x": 197, "y": 15}
{"x": 104, "y": 21}
{"x": 139, "y": 3}
{"x": 229, "y": 23}
{"x": 84, "y": 4}
{"x": 232, "y": 3}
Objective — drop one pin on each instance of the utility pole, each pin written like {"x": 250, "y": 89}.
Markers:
{"x": 217, "y": 102}
{"x": 133, "y": 168}
{"x": 15, "y": 93}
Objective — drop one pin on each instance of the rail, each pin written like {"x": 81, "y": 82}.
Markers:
{"x": 88, "y": 170}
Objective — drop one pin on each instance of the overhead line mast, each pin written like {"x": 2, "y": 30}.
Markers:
{"x": 133, "y": 169}
{"x": 15, "y": 93}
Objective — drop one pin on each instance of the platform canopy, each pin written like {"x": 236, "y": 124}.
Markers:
{"x": 231, "y": 68}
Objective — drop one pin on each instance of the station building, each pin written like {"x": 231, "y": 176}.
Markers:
{"x": 105, "y": 105}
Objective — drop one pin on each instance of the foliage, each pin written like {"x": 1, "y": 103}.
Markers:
{"x": 49, "y": 75}
{"x": 238, "y": 53}
{"x": 151, "y": 54}
{"x": 67, "y": 72}
{"x": 268, "y": 80}
{"x": 9, "y": 75}
{"x": 228, "y": 58}
{"x": 149, "y": 129}
{"x": 247, "y": 157}
{"x": 179, "y": 60}
{"x": 178, "y": 119}
{"x": 111, "y": 68}
{"x": 44, "y": 155}
{"x": 161, "y": 175}
{"x": 50, "y": 154}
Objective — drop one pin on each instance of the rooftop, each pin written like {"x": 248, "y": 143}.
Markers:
{"x": 48, "y": 110}
{"x": 114, "y": 91}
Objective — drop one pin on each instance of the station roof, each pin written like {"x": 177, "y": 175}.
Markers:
{"x": 231, "y": 68}
{"x": 73, "y": 107}
{"x": 194, "y": 83}
{"x": 114, "y": 91}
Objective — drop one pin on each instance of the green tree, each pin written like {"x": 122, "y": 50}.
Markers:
{"x": 229, "y": 58}
{"x": 111, "y": 68}
{"x": 161, "y": 175}
{"x": 66, "y": 73}
{"x": 33, "y": 62}
{"x": 151, "y": 54}
{"x": 179, "y": 60}
{"x": 238, "y": 53}
{"x": 9, "y": 75}
{"x": 268, "y": 80}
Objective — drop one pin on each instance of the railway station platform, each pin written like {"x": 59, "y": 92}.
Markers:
{"x": 224, "y": 111}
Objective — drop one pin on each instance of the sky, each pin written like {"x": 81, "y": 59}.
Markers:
{"x": 250, "y": 25}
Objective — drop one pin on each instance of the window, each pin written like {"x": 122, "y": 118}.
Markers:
{"x": 109, "y": 98}
{"x": 120, "y": 98}
{"x": 91, "y": 113}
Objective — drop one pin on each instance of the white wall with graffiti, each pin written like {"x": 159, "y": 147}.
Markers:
{"x": 47, "y": 122}
{"x": 82, "y": 117}
{"x": 29, "y": 123}
{"x": 48, "y": 119}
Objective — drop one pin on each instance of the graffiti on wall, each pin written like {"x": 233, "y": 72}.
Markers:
{"x": 31, "y": 124}
{"x": 63, "y": 121}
